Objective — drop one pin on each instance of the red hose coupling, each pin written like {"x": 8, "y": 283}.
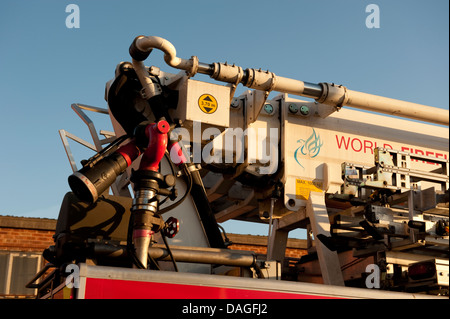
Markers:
{"x": 157, "y": 144}
{"x": 137, "y": 233}
{"x": 129, "y": 151}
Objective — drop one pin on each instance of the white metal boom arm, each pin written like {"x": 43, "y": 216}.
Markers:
{"x": 326, "y": 93}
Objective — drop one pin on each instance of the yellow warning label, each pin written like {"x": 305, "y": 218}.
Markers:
{"x": 304, "y": 188}
{"x": 207, "y": 103}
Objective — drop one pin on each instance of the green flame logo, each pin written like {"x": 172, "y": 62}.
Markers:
{"x": 310, "y": 147}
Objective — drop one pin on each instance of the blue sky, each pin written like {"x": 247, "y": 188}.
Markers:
{"x": 44, "y": 66}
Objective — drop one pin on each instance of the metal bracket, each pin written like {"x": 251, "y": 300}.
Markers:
{"x": 120, "y": 186}
{"x": 239, "y": 77}
{"x": 150, "y": 91}
{"x": 255, "y": 101}
{"x": 330, "y": 266}
{"x": 194, "y": 68}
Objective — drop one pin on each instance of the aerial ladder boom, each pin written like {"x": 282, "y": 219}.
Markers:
{"x": 326, "y": 93}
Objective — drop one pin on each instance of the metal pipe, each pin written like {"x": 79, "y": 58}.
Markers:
{"x": 144, "y": 45}
{"x": 325, "y": 93}
{"x": 338, "y": 96}
{"x": 312, "y": 90}
{"x": 205, "y": 68}
{"x": 269, "y": 236}
{"x": 207, "y": 256}
{"x": 390, "y": 106}
{"x": 203, "y": 257}
{"x": 205, "y": 211}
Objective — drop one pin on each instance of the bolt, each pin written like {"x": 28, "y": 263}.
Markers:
{"x": 268, "y": 108}
{"x": 304, "y": 110}
{"x": 293, "y": 108}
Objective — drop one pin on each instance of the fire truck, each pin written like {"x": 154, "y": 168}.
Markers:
{"x": 366, "y": 176}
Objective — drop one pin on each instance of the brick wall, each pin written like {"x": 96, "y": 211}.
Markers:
{"x": 26, "y": 234}
{"x": 30, "y": 240}
{"x": 22, "y": 241}
{"x": 295, "y": 248}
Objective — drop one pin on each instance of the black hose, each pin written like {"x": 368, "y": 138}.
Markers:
{"x": 114, "y": 145}
{"x": 170, "y": 252}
